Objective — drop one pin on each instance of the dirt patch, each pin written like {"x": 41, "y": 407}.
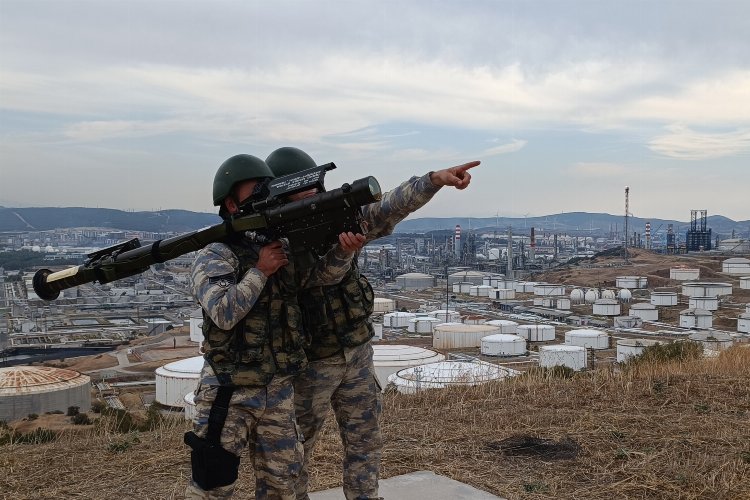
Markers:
{"x": 530, "y": 446}
{"x": 91, "y": 363}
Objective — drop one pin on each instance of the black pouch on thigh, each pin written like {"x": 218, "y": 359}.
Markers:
{"x": 213, "y": 466}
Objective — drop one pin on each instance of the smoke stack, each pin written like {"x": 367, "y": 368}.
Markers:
{"x": 457, "y": 242}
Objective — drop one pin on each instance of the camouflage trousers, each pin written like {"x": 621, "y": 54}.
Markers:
{"x": 347, "y": 383}
{"x": 261, "y": 419}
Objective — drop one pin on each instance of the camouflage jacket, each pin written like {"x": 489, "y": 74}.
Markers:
{"x": 338, "y": 316}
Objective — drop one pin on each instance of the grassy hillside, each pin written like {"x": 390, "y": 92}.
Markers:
{"x": 673, "y": 430}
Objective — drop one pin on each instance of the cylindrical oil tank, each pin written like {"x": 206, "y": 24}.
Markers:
{"x": 590, "y": 339}
{"x": 480, "y": 290}
{"x": 189, "y": 406}
{"x": 464, "y": 287}
{"x": 503, "y": 345}
{"x": 415, "y": 281}
{"x": 378, "y": 327}
{"x": 606, "y": 307}
{"x": 628, "y": 322}
{"x": 745, "y": 282}
{"x": 383, "y": 305}
{"x": 631, "y": 282}
{"x": 609, "y": 294}
{"x": 696, "y": 318}
{"x": 546, "y": 289}
{"x": 736, "y": 266}
{"x": 41, "y": 389}
{"x": 592, "y": 295}
{"x": 644, "y": 310}
{"x": 562, "y": 303}
{"x": 743, "y": 323}
{"x": 388, "y": 359}
{"x": 706, "y": 289}
{"x": 397, "y": 319}
{"x": 473, "y": 277}
{"x": 713, "y": 341}
{"x": 176, "y": 379}
{"x": 684, "y": 273}
{"x": 536, "y": 333}
{"x": 505, "y": 326}
{"x": 625, "y": 295}
{"x": 508, "y": 283}
{"x": 196, "y": 325}
{"x": 563, "y": 355}
{"x": 707, "y": 303}
{"x": 548, "y": 301}
{"x": 577, "y": 296}
{"x": 538, "y": 301}
{"x": 447, "y": 374}
{"x": 446, "y": 316}
{"x": 503, "y": 293}
{"x": 459, "y": 336}
{"x": 629, "y": 348}
{"x": 664, "y": 298}
{"x": 525, "y": 286}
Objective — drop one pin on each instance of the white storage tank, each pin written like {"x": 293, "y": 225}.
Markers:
{"x": 538, "y": 301}
{"x": 388, "y": 359}
{"x": 644, "y": 310}
{"x": 625, "y": 295}
{"x": 191, "y": 412}
{"x": 422, "y": 325}
{"x": 745, "y": 282}
{"x": 628, "y": 322}
{"x": 705, "y": 289}
{"x": 495, "y": 281}
{"x": 480, "y": 291}
{"x": 606, "y": 307}
{"x": 563, "y": 304}
{"x": 174, "y": 380}
{"x": 682, "y": 273}
{"x": 592, "y": 295}
{"x": 384, "y": 305}
{"x": 545, "y": 289}
{"x": 577, "y": 296}
{"x": 503, "y": 293}
{"x": 525, "y": 286}
{"x": 39, "y": 389}
{"x": 503, "y": 344}
{"x": 447, "y": 374}
{"x": 630, "y": 348}
{"x": 696, "y": 318}
{"x": 460, "y": 336}
{"x": 707, "y": 303}
{"x": 512, "y": 284}
{"x": 664, "y": 298}
{"x": 415, "y": 281}
{"x": 736, "y": 266}
{"x": 463, "y": 287}
{"x": 505, "y": 326}
{"x": 536, "y": 333}
{"x": 196, "y": 325}
{"x": 473, "y": 277}
{"x": 743, "y": 323}
{"x": 446, "y": 316}
{"x": 378, "y": 327}
{"x": 397, "y": 319}
{"x": 563, "y": 355}
{"x": 631, "y": 282}
{"x": 590, "y": 339}
{"x": 609, "y": 294}
{"x": 712, "y": 341}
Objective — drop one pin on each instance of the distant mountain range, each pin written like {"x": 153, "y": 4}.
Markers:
{"x": 41, "y": 219}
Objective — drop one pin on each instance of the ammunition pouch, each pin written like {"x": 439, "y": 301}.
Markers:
{"x": 213, "y": 466}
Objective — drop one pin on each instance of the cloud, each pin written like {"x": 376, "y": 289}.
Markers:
{"x": 513, "y": 146}
{"x": 683, "y": 143}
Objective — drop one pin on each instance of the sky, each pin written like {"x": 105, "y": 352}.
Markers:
{"x": 135, "y": 104}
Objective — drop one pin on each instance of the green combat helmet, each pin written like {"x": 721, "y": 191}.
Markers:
{"x": 236, "y": 169}
{"x": 288, "y": 160}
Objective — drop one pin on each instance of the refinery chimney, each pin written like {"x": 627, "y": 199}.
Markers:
{"x": 457, "y": 242}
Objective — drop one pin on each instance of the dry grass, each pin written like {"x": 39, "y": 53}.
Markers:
{"x": 674, "y": 430}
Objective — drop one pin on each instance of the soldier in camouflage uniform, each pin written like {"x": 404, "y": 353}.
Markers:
{"x": 340, "y": 373}
{"x": 253, "y": 340}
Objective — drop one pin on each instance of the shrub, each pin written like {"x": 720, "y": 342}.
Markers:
{"x": 73, "y": 411}
{"x": 81, "y": 419}
{"x": 37, "y": 436}
{"x": 32, "y": 416}
{"x": 662, "y": 353}
{"x": 97, "y": 406}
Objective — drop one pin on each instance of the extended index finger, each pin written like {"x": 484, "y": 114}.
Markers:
{"x": 466, "y": 166}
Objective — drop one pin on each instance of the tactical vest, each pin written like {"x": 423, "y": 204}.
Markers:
{"x": 338, "y": 316}
{"x": 268, "y": 341}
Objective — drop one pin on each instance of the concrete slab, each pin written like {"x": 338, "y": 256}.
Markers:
{"x": 421, "y": 485}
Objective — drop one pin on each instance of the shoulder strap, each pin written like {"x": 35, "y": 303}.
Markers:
{"x": 218, "y": 414}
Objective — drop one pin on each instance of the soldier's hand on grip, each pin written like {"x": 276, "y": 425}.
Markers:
{"x": 351, "y": 242}
{"x": 458, "y": 177}
{"x": 271, "y": 257}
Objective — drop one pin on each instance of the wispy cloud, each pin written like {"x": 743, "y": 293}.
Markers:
{"x": 683, "y": 143}
{"x": 513, "y": 146}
